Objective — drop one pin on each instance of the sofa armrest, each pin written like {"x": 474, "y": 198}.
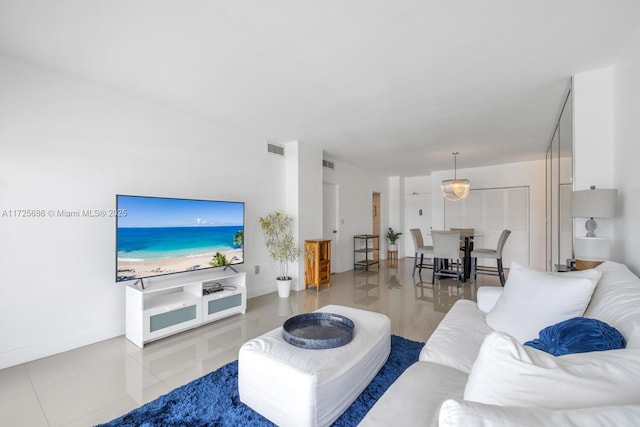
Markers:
{"x": 415, "y": 397}
{"x": 457, "y": 339}
{"x": 487, "y": 297}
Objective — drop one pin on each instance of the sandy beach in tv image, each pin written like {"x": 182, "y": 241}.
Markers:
{"x": 152, "y": 267}
{"x": 162, "y": 236}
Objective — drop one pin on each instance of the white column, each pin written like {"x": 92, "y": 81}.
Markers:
{"x": 303, "y": 198}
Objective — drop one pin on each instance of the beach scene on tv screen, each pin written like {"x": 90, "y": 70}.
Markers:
{"x": 157, "y": 236}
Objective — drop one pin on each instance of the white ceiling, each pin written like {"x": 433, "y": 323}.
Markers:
{"x": 393, "y": 86}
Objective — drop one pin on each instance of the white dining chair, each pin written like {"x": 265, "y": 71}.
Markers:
{"x": 421, "y": 250}
{"x": 490, "y": 254}
{"x": 446, "y": 247}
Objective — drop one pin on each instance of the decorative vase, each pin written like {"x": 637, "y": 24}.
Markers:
{"x": 393, "y": 247}
{"x": 284, "y": 288}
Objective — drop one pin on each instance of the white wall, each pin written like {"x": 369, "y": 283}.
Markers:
{"x": 69, "y": 144}
{"x": 417, "y": 197}
{"x": 606, "y": 111}
{"x": 593, "y": 129}
{"x": 304, "y": 199}
{"x": 593, "y": 140}
{"x": 356, "y": 187}
{"x": 396, "y": 215}
{"x": 416, "y": 185}
{"x": 626, "y": 152}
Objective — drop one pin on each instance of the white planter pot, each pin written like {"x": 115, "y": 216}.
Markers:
{"x": 284, "y": 288}
{"x": 393, "y": 247}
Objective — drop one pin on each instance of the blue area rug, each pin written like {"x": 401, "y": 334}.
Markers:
{"x": 213, "y": 400}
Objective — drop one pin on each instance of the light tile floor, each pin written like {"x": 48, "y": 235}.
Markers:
{"x": 97, "y": 383}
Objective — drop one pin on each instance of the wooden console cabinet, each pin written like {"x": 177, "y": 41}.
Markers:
{"x": 317, "y": 263}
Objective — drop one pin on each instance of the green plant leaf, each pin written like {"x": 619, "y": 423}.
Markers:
{"x": 279, "y": 241}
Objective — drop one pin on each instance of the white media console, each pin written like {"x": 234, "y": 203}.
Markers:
{"x": 168, "y": 305}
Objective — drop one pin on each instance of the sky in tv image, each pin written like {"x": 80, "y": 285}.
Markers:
{"x": 161, "y": 212}
{"x": 160, "y": 236}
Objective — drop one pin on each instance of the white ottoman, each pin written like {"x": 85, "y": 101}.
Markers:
{"x": 294, "y": 386}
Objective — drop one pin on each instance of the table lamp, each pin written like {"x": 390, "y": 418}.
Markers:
{"x": 590, "y": 250}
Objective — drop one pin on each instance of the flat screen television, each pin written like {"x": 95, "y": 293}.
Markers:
{"x": 158, "y": 235}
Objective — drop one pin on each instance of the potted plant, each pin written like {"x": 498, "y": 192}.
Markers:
{"x": 393, "y": 237}
{"x": 278, "y": 238}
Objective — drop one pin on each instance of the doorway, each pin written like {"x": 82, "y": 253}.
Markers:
{"x": 330, "y": 220}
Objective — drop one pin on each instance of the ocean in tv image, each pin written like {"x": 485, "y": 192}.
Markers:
{"x": 158, "y": 236}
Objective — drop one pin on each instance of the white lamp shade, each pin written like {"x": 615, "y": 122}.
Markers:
{"x": 592, "y": 248}
{"x": 596, "y": 203}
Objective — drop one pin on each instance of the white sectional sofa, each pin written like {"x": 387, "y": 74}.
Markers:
{"x": 472, "y": 374}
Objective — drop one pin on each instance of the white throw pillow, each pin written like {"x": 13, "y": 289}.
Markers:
{"x": 533, "y": 300}
{"x": 455, "y": 413}
{"x": 616, "y": 301}
{"x": 592, "y": 274}
{"x": 507, "y": 373}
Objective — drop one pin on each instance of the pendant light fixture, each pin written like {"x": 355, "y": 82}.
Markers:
{"x": 455, "y": 189}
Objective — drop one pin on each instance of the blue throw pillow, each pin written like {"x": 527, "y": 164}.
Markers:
{"x": 578, "y": 335}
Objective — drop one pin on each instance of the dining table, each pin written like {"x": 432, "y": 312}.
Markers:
{"x": 467, "y": 247}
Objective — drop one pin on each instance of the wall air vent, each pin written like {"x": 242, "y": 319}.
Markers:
{"x": 328, "y": 164}
{"x": 276, "y": 149}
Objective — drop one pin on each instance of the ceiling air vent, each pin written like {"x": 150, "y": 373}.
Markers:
{"x": 276, "y": 149}
{"x": 328, "y": 164}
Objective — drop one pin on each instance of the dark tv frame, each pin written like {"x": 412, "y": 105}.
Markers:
{"x": 141, "y": 279}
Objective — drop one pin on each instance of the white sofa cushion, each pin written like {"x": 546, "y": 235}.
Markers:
{"x": 414, "y": 398}
{"x": 488, "y": 296}
{"x": 616, "y": 301}
{"x": 533, "y": 300}
{"x": 507, "y": 373}
{"x": 457, "y": 339}
{"x": 455, "y": 413}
